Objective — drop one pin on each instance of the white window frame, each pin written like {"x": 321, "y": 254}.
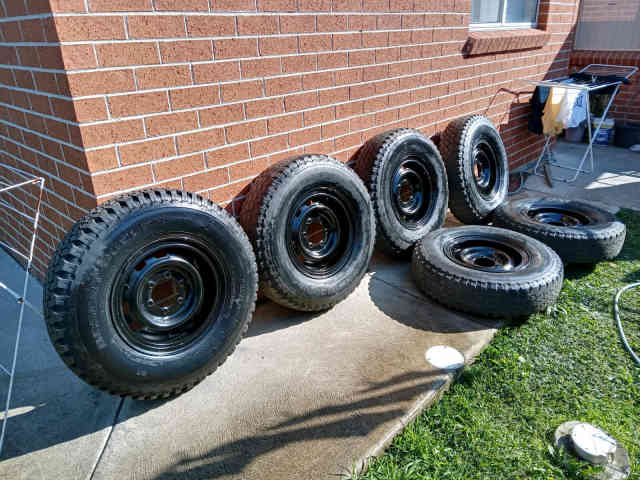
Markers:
{"x": 502, "y": 25}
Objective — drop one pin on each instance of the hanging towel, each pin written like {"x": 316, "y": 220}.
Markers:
{"x": 573, "y": 109}
{"x": 550, "y": 123}
{"x": 538, "y": 101}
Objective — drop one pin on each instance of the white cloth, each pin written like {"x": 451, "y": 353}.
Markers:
{"x": 573, "y": 108}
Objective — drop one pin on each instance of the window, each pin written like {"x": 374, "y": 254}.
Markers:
{"x": 493, "y": 14}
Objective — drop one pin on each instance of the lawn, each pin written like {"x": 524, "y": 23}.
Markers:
{"x": 497, "y": 420}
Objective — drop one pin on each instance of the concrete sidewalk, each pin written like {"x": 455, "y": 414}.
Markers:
{"x": 304, "y": 396}
{"x": 614, "y": 182}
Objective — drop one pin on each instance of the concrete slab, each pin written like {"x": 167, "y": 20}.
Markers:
{"x": 57, "y": 424}
{"x": 613, "y": 184}
{"x": 304, "y": 395}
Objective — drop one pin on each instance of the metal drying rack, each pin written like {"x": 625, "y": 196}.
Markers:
{"x": 595, "y": 70}
{"x": 21, "y": 181}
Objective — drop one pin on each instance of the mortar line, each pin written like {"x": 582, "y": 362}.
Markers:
{"x": 103, "y": 448}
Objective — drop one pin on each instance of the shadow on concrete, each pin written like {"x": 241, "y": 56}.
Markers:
{"x": 270, "y": 317}
{"x": 379, "y": 403}
{"x": 425, "y": 314}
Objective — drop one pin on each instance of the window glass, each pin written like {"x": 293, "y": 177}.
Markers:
{"x": 486, "y": 11}
{"x": 520, "y": 11}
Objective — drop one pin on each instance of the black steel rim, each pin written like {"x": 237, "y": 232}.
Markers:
{"x": 320, "y": 231}
{"x": 558, "y": 216}
{"x": 411, "y": 193}
{"x": 485, "y": 169}
{"x": 167, "y": 295}
{"x": 486, "y": 254}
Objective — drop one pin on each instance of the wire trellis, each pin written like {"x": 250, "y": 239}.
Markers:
{"x": 14, "y": 182}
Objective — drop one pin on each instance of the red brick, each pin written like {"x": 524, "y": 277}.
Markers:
{"x": 178, "y": 167}
{"x": 280, "y": 85}
{"x": 332, "y": 23}
{"x": 92, "y": 83}
{"x": 117, "y": 54}
{"x": 158, "y": 77}
{"x": 299, "y": 63}
{"x": 332, "y": 60}
{"x": 362, "y": 22}
{"x": 315, "y": 43}
{"x": 348, "y": 41}
{"x": 216, "y": 72}
{"x": 347, "y": 5}
{"x": 257, "y": 25}
{"x": 264, "y": 108}
{"x": 303, "y": 137}
{"x": 172, "y": 123}
{"x": 232, "y": 92}
{"x": 260, "y": 67}
{"x": 194, "y": 97}
{"x": 120, "y": 5}
{"x": 104, "y": 159}
{"x": 182, "y": 5}
{"x": 334, "y": 95}
{"x": 69, "y": 29}
{"x": 284, "y": 124}
{"x": 233, "y": 5}
{"x": 268, "y": 146}
{"x": 138, "y": 104}
{"x": 247, "y": 169}
{"x": 321, "y": 115}
{"x": 77, "y": 56}
{"x": 205, "y": 180}
{"x": 301, "y": 101}
{"x": 278, "y": 45}
{"x": 222, "y": 156}
{"x": 375, "y": 5}
{"x": 221, "y": 115}
{"x": 298, "y": 24}
{"x": 186, "y": 51}
{"x": 156, "y": 26}
{"x": 146, "y": 151}
{"x": 235, "y": 48}
{"x": 277, "y": 5}
{"x": 314, "y": 5}
{"x": 109, "y": 133}
{"x": 122, "y": 180}
{"x": 193, "y": 142}
{"x": 210, "y": 26}
{"x": 245, "y": 131}
{"x": 58, "y": 6}
{"x": 314, "y": 81}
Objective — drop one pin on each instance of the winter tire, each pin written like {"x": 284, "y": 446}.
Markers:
{"x": 150, "y": 292}
{"x": 311, "y": 223}
{"x": 407, "y": 181}
{"x": 487, "y": 271}
{"x": 477, "y": 169}
{"x": 577, "y": 231}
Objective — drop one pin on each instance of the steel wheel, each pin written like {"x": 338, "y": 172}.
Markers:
{"x": 319, "y": 231}
{"x": 487, "y": 255}
{"x": 558, "y": 216}
{"x": 167, "y": 295}
{"x": 411, "y": 193}
{"x": 485, "y": 169}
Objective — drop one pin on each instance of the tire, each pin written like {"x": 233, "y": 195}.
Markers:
{"x": 403, "y": 162}
{"x": 150, "y": 292}
{"x": 487, "y": 271}
{"x": 477, "y": 168}
{"x": 577, "y": 231}
{"x": 311, "y": 223}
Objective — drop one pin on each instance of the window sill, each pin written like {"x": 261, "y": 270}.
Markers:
{"x": 483, "y": 42}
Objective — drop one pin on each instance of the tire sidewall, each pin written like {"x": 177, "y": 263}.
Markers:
{"x": 424, "y": 150}
{"x": 96, "y": 277}
{"x": 273, "y": 245}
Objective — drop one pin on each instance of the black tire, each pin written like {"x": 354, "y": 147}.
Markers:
{"x": 477, "y": 168}
{"x": 150, "y": 292}
{"x": 403, "y": 162}
{"x": 293, "y": 201}
{"x": 577, "y": 231}
{"x": 487, "y": 271}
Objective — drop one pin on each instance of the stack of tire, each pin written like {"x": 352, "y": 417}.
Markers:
{"x": 150, "y": 292}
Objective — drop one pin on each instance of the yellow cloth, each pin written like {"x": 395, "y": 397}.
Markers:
{"x": 550, "y": 124}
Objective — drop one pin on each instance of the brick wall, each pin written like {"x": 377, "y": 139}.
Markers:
{"x": 627, "y": 102}
{"x": 107, "y": 96}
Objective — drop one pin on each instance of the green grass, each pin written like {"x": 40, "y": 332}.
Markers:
{"x": 497, "y": 420}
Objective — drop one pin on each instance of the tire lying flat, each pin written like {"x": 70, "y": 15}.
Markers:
{"x": 311, "y": 222}
{"x": 150, "y": 292}
{"x": 407, "y": 181}
{"x": 487, "y": 271}
{"x": 577, "y": 231}
{"x": 477, "y": 169}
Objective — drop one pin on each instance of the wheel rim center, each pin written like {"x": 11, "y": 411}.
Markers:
{"x": 558, "y": 217}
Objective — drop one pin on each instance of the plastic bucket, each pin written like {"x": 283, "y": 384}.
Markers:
{"x": 605, "y": 135}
